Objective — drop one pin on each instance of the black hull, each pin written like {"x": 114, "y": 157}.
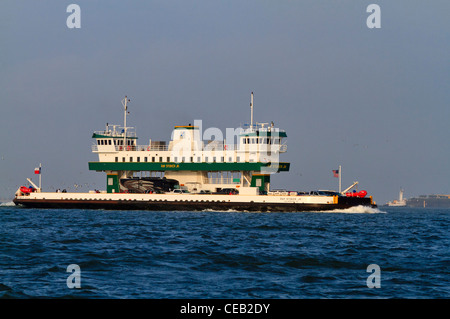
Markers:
{"x": 343, "y": 203}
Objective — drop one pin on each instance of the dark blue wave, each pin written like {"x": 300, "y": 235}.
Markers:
{"x": 140, "y": 254}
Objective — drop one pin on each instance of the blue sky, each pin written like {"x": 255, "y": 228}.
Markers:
{"x": 375, "y": 101}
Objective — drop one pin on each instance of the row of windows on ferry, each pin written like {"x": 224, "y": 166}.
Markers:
{"x": 261, "y": 140}
{"x": 245, "y": 140}
{"x": 181, "y": 159}
{"x": 115, "y": 142}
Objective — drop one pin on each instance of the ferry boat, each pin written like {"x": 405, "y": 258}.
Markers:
{"x": 189, "y": 173}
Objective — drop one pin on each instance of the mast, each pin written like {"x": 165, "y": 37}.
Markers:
{"x": 251, "y": 111}
{"x": 124, "y": 103}
{"x": 40, "y": 178}
{"x": 340, "y": 177}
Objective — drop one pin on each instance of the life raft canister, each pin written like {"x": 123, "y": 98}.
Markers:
{"x": 25, "y": 189}
{"x": 360, "y": 194}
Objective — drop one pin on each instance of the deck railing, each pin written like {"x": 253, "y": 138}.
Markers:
{"x": 142, "y": 148}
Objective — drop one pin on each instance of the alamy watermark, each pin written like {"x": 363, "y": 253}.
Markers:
{"x": 374, "y": 279}
{"x": 262, "y": 143}
{"x": 373, "y": 21}
{"x": 73, "y": 21}
{"x": 74, "y": 280}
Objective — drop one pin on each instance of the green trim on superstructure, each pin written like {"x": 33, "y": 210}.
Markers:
{"x": 95, "y": 135}
{"x": 261, "y": 181}
{"x": 171, "y": 166}
{"x": 186, "y": 127}
{"x": 112, "y": 183}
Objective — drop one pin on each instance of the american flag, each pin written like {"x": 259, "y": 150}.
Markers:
{"x": 336, "y": 173}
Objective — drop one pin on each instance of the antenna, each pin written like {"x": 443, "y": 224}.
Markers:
{"x": 124, "y": 103}
{"x": 251, "y": 110}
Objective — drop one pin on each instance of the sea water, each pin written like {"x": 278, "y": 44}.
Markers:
{"x": 146, "y": 254}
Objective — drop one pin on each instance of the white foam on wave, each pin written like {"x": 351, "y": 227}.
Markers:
{"x": 356, "y": 210}
{"x": 11, "y": 203}
{"x": 223, "y": 211}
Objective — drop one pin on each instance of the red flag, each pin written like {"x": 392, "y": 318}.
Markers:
{"x": 37, "y": 170}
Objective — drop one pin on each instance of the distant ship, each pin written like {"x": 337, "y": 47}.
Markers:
{"x": 398, "y": 202}
{"x": 439, "y": 201}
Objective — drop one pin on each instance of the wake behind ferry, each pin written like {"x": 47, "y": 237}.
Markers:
{"x": 189, "y": 174}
